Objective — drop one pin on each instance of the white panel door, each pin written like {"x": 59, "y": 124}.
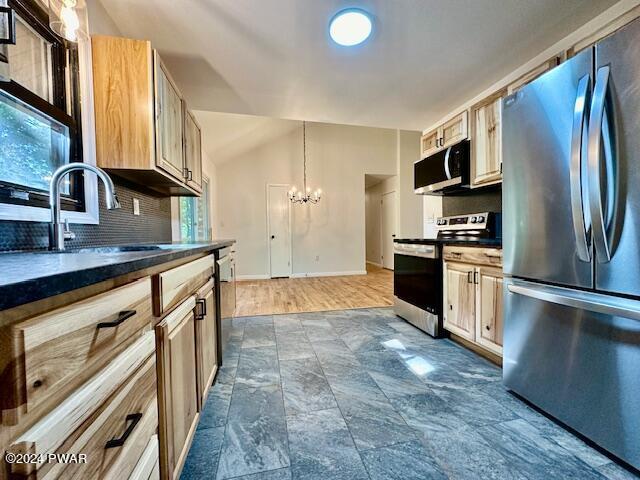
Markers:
{"x": 388, "y": 228}
{"x": 278, "y": 211}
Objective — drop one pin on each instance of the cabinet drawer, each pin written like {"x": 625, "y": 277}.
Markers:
{"x": 474, "y": 255}
{"x": 117, "y": 404}
{"x": 56, "y": 352}
{"x": 148, "y": 467}
{"x": 174, "y": 285}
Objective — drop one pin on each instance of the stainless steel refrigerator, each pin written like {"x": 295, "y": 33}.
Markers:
{"x": 571, "y": 235}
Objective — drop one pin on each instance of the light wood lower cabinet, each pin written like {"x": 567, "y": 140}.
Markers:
{"x": 110, "y": 419}
{"x": 489, "y": 306}
{"x": 473, "y": 295}
{"x": 173, "y": 286}
{"x": 460, "y": 316}
{"x": 177, "y": 387}
{"x": 56, "y": 352}
{"x": 206, "y": 340}
{"x": 148, "y": 467}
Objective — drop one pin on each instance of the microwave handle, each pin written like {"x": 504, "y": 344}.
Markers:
{"x": 446, "y": 163}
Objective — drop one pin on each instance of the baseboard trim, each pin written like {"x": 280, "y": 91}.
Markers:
{"x": 375, "y": 264}
{"x": 329, "y": 274}
{"x": 252, "y": 277}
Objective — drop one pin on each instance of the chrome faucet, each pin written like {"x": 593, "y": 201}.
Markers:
{"x": 59, "y": 232}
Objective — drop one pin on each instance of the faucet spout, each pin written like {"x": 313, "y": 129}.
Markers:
{"x": 57, "y": 232}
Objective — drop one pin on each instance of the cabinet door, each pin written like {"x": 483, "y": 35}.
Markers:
{"x": 192, "y": 151}
{"x": 169, "y": 123}
{"x": 487, "y": 138}
{"x": 177, "y": 389}
{"x": 460, "y": 300}
{"x": 430, "y": 142}
{"x": 489, "y": 308}
{"x": 455, "y": 130}
{"x": 206, "y": 342}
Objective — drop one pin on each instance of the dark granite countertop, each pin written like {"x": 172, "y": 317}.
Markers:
{"x": 482, "y": 242}
{"x": 30, "y": 276}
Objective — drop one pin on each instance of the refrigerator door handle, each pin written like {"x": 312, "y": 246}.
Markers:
{"x": 598, "y": 133}
{"x": 575, "y": 175}
{"x": 593, "y": 302}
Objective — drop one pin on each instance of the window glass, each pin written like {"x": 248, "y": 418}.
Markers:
{"x": 194, "y": 216}
{"x": 32, "y": 146}
{"x": 30, "y": 60}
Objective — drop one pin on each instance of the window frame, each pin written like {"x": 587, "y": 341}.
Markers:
{"x": 69, "y": 86}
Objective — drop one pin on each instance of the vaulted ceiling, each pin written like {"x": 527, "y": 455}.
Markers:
{"x": 274, "y": 57}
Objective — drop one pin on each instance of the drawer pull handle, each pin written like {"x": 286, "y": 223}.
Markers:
{"x": 134, "y": 418}
{"x": 122, "y": 316}
{"x": 201, "y": 308}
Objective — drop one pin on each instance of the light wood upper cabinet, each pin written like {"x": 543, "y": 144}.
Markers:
{"x": 532, "y": 74}
{"x": 447, "y": 134}
{"x": 460, "y": 300}
{"x": 430, "y": 142}
{"x": 455, "y": 130}
{"x": 192, "y": 151}
{"x": 169, "y": 124}
{"x": 206, "y": 340}
{"x": 486, "y": 156}
{"x": 139, "y": 116}
{"x": 177, "y": 387}
{"x": 489, "y": 307}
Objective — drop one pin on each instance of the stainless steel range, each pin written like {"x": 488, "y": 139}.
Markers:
{"x": 417, "y": 279}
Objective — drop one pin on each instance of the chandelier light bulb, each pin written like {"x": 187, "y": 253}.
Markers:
{"x": 70, "y": 20}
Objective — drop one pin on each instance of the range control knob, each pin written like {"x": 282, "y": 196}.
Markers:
{"x": 474, "y": 219}
{"x": 480, "y": 219}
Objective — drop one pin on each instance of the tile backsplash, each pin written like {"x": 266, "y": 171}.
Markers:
{"x": 488, "y": 199}
{"x": 116, "y": 227}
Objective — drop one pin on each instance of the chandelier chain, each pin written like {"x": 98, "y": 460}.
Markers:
{"x": 304, "y": 152}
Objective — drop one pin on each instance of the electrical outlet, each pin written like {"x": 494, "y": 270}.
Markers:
{"x": 136, "y": 206}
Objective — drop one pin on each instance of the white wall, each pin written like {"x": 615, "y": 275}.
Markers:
{"x": 100, "y": 23}
{"x": 410, "y": 208}
{"x": 327, "y": 238}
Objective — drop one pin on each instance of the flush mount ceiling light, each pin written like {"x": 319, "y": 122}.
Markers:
{"x": 350, "y": 27}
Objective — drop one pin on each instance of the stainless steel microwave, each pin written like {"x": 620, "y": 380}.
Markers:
{"x": 444, "y": 171}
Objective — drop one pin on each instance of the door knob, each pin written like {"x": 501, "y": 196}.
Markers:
{"x": 272, "y": 237}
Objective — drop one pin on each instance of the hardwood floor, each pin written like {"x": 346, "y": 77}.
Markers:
{"x": 315, "y": 294}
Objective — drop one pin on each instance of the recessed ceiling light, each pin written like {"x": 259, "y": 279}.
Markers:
{"x": 350, "y": 27}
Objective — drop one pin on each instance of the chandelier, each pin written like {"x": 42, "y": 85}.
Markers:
{"x": 304, "y": 195}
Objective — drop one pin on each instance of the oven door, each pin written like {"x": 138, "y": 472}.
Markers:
{"x": 417, "y": 286}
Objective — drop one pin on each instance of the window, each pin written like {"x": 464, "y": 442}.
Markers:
{"x": 39, "y": 113}
{"x": 194, "y": 216}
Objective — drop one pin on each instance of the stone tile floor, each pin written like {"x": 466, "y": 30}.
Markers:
{"x": 361, "y": 394}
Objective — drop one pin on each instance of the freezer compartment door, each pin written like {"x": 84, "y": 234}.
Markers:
{"x": 614, "y": 160}
{"x": 546, "y": 232}
{"x": 576, "y": 355}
